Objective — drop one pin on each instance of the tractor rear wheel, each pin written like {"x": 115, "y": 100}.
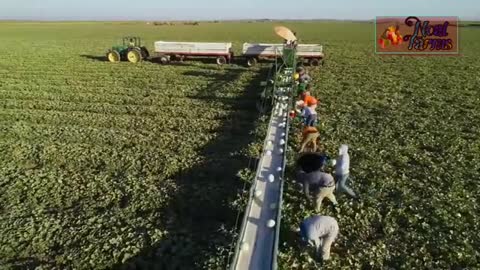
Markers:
{"x": 113, "y": 56}
{"x": 252, "y": 61}
{"x": 134, "y": 56}
{"x": 221, "y": 60}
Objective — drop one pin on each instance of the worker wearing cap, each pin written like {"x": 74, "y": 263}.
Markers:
{"x": 307, "y": 97}
{"x": 323, "y": 185}
{"x": 304, "y": 77}
{"x": 321, "y": 232}
{"x": 302, "y": 93}
{"x": 310, "y": 136}
{"x": 309, "y": 113}
{"x": 304, "y": 96}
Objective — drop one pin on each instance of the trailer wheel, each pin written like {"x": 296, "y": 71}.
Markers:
{"x": 164, "y": 60}
{"x": 252, "y": 61}
{"x": 221, "y": 60}
{"x": 314, "y": 62}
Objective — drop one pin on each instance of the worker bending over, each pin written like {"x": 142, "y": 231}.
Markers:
{"x": 301, "y": 105}
{"x": 310, "y": 162}
{"x": 323, "y": 185}
{"x": 310, "y": 136}
{"x": 321, "y": 232}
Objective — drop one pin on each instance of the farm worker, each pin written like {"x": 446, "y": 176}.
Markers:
{"x": 309, "y": 113}
{"x": 295, "y": 43}
{"x": 321, "y": 232}
{"x": 302, "y": 88}
{"x": 310, "y": 162}
{"x": 304, "y": 77}
{"x": 310, "y": 136}
{"x": 303, "y": 104}
{"x": 303, "y": 96}
{"x": 323, "y": 185}
{"x": 342, "y": 171}
{"x": 300, "y": 71}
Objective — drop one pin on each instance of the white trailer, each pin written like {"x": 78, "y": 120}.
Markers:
{"x": 169, "y": 50}
{"x": 313, "y": 53}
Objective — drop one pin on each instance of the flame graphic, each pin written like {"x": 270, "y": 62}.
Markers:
{"x": 392, "y": 36}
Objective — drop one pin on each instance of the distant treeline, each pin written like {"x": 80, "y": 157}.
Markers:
{"x": 173, "y": 23}
{"x": 167, "y": 23}
{"x": 469, "y": 25}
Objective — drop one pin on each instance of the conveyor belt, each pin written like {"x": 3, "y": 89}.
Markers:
{"x": 258, "y": 240}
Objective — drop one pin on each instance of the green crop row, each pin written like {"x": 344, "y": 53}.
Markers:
{"x": 123, "y": 166}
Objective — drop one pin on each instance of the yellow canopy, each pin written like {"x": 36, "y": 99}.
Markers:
{"x": 285, "y": 33}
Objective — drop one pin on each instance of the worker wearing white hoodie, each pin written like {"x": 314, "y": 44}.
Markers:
{"x": 342, "y": 171}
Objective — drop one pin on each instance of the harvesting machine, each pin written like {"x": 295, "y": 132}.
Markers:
{"x": 307, "y": 53}
{"x": 257, "y": 246}
{"x": 131, "y": 50}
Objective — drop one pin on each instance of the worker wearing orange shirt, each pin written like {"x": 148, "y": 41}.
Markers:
{"x": 304, "y": 97}
{"x": 302, "y": 102}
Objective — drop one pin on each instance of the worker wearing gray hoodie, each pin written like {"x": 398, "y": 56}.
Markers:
{"x": 342, "y": 171}
{"x": 321, "y": 231}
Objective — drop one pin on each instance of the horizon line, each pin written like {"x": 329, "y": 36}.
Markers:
{"x": 197, "y": 20}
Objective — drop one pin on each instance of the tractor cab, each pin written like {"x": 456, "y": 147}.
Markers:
{"x": 132, "y": 42}
{"x": 131, "y": 50}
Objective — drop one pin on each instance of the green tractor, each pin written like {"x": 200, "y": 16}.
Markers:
{"x": 131, "y": 50}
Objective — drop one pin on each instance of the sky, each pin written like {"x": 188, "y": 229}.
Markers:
{"x": 232, "y": 9}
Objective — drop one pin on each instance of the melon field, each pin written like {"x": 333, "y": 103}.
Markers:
{"x": 146, "y": 166}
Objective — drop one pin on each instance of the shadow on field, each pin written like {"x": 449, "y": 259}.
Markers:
{"x": 200, "y": 217}
{"x": 194, "y": 62}
{"x": 95, "y": 57}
